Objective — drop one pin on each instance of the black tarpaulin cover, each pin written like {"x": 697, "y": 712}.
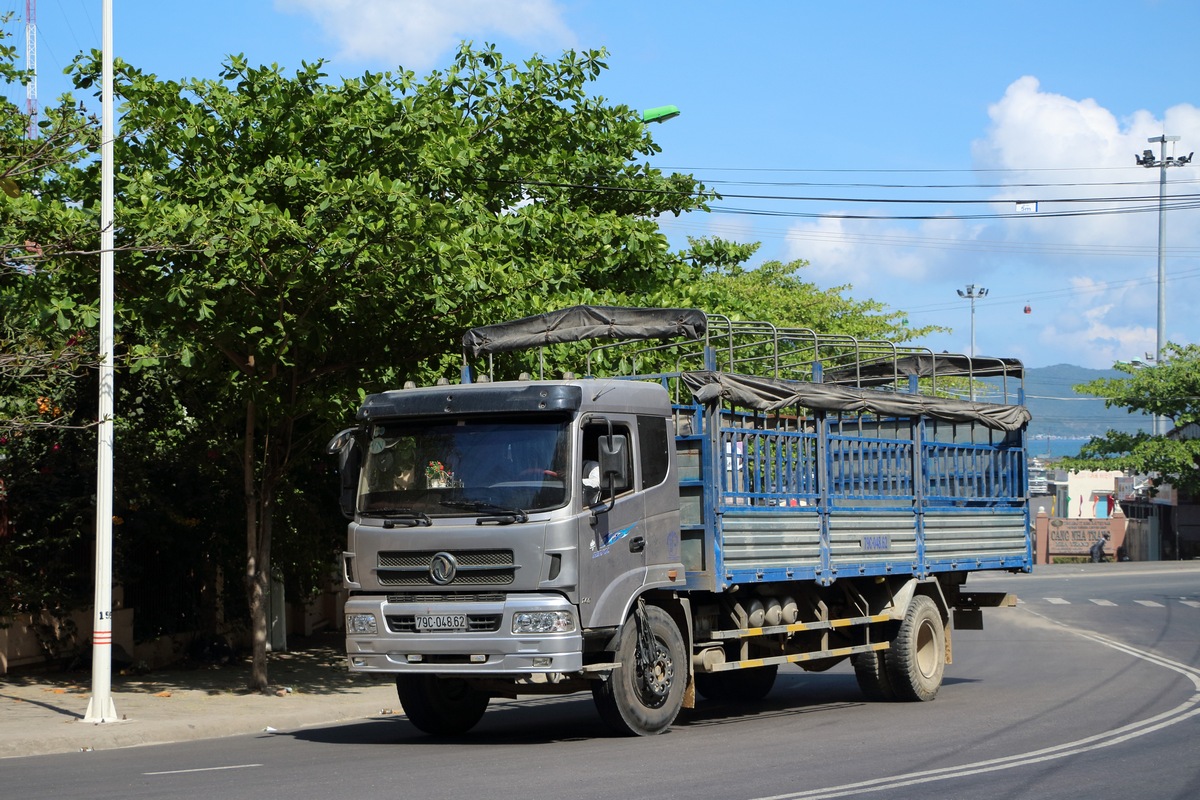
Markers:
{"x": 585, "y": 322}
{"x": 926, "y": 365}
{"x": 770, "y": 394}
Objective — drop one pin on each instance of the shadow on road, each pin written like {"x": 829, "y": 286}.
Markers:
{"x": 569, "y": 718}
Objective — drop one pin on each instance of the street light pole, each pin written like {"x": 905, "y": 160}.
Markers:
{"x": 101, "y": 707}
{"x": 1146, "y": 159}
{"x": 972, "y": 293}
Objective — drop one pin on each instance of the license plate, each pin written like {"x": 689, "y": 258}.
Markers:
{"x": 441, "y": 622}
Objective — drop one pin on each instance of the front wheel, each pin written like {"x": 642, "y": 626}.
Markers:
{"x": 643, "y": 695}
{"x": 917, "y": 658}
{"x": 440, "y": 706}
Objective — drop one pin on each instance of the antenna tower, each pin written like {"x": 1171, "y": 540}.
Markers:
{"x": 31, "y": 65}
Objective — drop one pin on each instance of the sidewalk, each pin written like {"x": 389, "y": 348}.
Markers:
{"x": 42, "y": 712}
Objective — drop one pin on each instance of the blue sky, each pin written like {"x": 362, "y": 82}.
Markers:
{"x": 802, "y": 113}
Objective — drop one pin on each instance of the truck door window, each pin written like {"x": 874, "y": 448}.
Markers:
{"x": 655, "y": 453}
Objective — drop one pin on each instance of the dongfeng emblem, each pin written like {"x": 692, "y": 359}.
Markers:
{"x": 442, "y": 568}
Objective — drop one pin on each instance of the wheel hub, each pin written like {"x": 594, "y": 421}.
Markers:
{"x": 657, "y": 676}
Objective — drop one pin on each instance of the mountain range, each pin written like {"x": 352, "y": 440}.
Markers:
{"x": 1061, "y": 413}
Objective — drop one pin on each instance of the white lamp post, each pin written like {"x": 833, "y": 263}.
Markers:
{"x": 101, "y": 707}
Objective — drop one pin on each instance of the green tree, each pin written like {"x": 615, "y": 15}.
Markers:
{"x": 45, "y": 352}
{"x": 1171, "y": 389}
{"x": 286, "y": 243}
{"x": 775, "y": 291}
{"x": 41, "y": 231}
{"x": 329, "y": 236}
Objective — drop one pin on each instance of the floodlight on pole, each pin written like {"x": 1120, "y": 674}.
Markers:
{"x": 973, "y": 293}
{"x": 660, "y": 114}
{"x": 1146, "y": 159}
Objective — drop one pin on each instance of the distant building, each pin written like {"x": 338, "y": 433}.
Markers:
{"x": 1165, "y": 521}
{"x": 1038, "y": 482}
{"x": 1086, "y": 494}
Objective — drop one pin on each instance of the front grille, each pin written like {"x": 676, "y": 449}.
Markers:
{"x": 475, "y": 568}
{"x": 476, "y": 623}
{"x": 448, "y": 597}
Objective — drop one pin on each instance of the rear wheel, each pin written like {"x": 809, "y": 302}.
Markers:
{"x": 643, "y": 695}
{"x": 872, "y": 675}
{"x": 440, "y": 706}
{"x": 916, "y": 660}
{"x": 737, "y": 686}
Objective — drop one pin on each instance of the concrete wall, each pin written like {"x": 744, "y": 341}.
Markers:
{"x": 20, "y": 647}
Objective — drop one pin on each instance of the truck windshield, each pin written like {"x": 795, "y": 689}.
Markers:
{"x": 465, "y": 467}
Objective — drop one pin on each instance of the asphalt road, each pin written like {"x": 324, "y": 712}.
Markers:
{"x": 1091, "y": 687}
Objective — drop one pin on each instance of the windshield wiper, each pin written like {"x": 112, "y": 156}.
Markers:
{"x": 502, "y": 515}
{"x": 399, "y": 516}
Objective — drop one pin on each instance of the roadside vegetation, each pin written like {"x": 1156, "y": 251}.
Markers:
{"x": 285, "y": 244}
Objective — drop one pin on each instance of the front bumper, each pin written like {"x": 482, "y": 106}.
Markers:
{"x": 493, "y": 649}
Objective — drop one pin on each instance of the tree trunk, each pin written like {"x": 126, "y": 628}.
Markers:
{"x": 257, "y": 572}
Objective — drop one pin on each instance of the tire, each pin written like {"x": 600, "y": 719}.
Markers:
{"x": 872, "y": 675}
{"x": 440, "y": 706}
{"x": 643, "y": 698}
{"x": 737, "y": 686}
{"x": 916, "y": 660}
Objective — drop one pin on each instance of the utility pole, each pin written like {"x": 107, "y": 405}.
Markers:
{"x": 31, "y": 66}
{"x": 1146, "y": 159}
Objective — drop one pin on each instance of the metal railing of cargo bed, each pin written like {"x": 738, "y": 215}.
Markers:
{"x": 802, "y": 354}
{"x": 804, "y": 494}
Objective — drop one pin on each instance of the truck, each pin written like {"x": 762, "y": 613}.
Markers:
{"x": 703, "y": 501}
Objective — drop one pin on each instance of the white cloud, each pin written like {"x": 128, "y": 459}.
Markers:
{"x": 420, "y": 34}
{"x": 1102, "y": 267}
{"x": 1091, "y": 280}
{"x": 1093, "y": 340}
{"x": 836, "y": 254}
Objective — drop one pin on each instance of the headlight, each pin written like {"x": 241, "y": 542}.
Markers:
{"x": 361, "y": 623}
{"x": 543, "y": 622}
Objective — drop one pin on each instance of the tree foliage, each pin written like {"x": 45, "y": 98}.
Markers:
{"x": 288, "y": 242}
{"x": 326, "y": 235}
{"x": 45, "y": 352}
{"x": 1170, "y": 389}
{"x": 43, "y": 332}
{"x": 775, "y": 291}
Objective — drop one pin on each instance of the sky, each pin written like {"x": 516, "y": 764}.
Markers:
{"x": 899, "y": 149}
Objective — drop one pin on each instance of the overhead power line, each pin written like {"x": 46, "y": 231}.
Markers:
{"x": 754, "y": 212}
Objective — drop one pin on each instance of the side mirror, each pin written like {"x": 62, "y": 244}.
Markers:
{"x": 614, "y": 466}
{"x": 345, "y": 447}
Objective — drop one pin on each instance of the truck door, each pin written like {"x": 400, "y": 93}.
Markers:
{"x": 612, "y": 530}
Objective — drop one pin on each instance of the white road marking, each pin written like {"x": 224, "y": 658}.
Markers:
{"x": 1185, "y": 710}
{"x": 1192, "y": 603}
{"x": 203, "y": 769}
{"x": 1058, "y": 601}
{"x": 1103, "y": 602}
{"x": 1149, "y": 603}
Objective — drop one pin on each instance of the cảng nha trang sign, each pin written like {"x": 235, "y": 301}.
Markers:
{"x": 1073, "y": 537}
